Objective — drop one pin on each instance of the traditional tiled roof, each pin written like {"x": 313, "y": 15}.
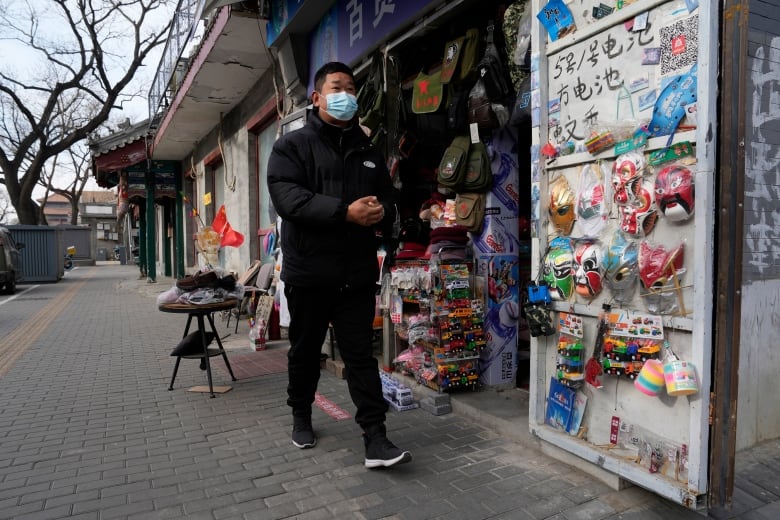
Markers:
{"x": 118, "y": 151}
{"x": 95, "y": 197}
{"x": 119, "y": 139}
{"x": 98, "y": 197}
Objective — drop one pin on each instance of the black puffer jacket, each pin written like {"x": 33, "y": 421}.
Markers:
{"x": 313, "y": 175}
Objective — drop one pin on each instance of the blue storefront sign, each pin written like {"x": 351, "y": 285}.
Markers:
{"x": 282, "y": 11}
{"x": 351, "y": 27}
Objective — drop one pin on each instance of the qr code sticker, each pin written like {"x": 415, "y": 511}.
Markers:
{"x": 679, "y": 45}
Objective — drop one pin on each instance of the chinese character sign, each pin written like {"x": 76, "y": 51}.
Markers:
{"x": 351, "y": 28}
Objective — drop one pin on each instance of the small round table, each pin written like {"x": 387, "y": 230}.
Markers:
{"x": 198, "y": 311}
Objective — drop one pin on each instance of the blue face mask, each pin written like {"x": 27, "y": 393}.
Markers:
{"x": 341, "y": 105}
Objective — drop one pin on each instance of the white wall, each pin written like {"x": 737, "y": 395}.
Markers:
{"x": 234, "y": 169}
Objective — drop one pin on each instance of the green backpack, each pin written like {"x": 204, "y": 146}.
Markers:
{"x": 479, "y": 176}
{"x": 469, "y": 56}
{"x": 452, "y": 167}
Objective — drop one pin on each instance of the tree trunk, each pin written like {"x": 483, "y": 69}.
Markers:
{"x": 74, "y": 211}
{"x": 27, "y": 211}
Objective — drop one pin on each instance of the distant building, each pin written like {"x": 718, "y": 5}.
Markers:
{"x": 97, "y": 209}
{"x": 56, "y": 209}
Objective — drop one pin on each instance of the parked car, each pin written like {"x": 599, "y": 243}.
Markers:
{"x": 10, "y": 262}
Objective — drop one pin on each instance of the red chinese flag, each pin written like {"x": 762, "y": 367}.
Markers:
{"x": 231, "y": 237}
{"x": 220, "y": 220}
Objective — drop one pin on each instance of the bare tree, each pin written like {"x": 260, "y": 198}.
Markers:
{"x": 92, "y": 50}
{"x": 70, "y": 168}
{"x": 74, "y": 168}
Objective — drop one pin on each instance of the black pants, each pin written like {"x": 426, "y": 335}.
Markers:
{"x": 351, "y": 312}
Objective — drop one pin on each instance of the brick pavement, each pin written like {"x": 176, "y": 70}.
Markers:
{"x": 88, "y": 429}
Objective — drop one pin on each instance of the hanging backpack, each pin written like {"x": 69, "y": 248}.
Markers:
{"x": 479, "y": 176}
{"x": 371, "y": 96}
{"x": 491, "y": 70}
{"x": 469, "y": 53}
{"x": 470, "y": 211}
{"x": 480, "y": 109}
{"x": 452, "y": 167}
{"x": 427, "y": 93}
{"x": 449, "y": 63}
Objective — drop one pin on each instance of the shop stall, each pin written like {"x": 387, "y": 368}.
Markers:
{"x": 456, "y": 157}
{"x": 588, "y": 124}
{"x": 622, "y": 299}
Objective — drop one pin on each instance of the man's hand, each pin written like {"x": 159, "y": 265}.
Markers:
{"x": 365, "y": 211}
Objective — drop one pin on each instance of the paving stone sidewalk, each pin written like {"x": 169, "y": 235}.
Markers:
{"x": 88, "y": 429}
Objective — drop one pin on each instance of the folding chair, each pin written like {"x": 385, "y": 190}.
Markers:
{"x": 246, "y": 279}
{"x": 251, "y": 293}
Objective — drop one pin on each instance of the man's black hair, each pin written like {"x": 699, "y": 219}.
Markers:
{"x": 330, "y": 68}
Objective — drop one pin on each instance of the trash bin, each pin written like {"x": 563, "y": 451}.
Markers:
{"x": 102, "y": 255}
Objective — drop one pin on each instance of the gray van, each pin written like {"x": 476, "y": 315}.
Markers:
{"x": 10, "y": 263}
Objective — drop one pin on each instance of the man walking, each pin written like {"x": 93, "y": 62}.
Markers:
{"x": 331, "y": 187}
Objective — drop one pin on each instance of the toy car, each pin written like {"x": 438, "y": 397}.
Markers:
{"x": 649, "y": 352}
{"x": 614, "y": 348}
{"x": 464, "y": 312}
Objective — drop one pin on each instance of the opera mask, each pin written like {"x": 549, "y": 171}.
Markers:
{"x": 620, "y": 265}
{"x": 657, "y": 271}
{"x": 591, "y": 201}
{"x": 674, "y": 192}
{"x": 562, "y": 202}
{"x": 588, "y": 268}
{"x": 639, "y": 217}
{"x": 627, "y": 176}
{"x": 557, "y": 269}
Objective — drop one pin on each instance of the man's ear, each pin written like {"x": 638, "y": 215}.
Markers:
{"x": 315, "y": 98}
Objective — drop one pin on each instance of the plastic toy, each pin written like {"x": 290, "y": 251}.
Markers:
{"x": 614, "y": 348}
{"x": 651, "y": 378}
{"x": 538, "y": 293}
{"x": 649, "y": 351}
{"x": 669, "y": 109}
{"x": 599, "y": 142}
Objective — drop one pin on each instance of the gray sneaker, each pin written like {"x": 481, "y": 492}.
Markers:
{"x": 380, "y": 452}
{"x": 303, "y": 434}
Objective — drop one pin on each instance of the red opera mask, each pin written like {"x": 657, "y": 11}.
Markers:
{"x": 658, "y": 269}
{"x": 657, "y": 265}
{"x": 627, "y": 176}
{"x": 674, "y": 192}
{"x": 638, "y": 218}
